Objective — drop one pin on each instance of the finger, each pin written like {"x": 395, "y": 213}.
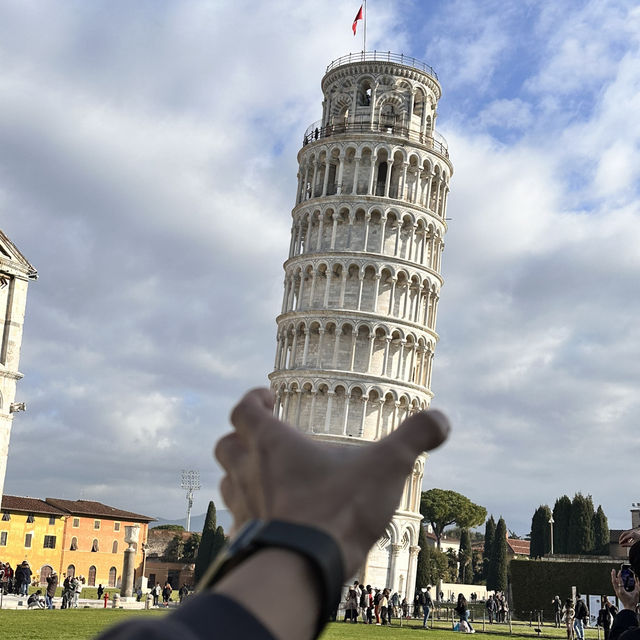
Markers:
{"x": 423, "y": 431}
{"x": 235, "y": 503}
{"x": 231, "y": 452}
{"x": 255, "y": 408}
{"x": 614, "y": 581}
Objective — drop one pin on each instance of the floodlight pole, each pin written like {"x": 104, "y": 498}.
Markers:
{"x": 190, "y": 482}
{"x": 551, "y": 521}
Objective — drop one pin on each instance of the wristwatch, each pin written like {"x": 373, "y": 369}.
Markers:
{"x": 318, "y": 547}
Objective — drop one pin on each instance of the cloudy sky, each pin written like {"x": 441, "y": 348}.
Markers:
{"x": 148, "y": 170}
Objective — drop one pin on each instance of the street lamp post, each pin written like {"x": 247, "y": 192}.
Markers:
{"x": 551, "y": 521}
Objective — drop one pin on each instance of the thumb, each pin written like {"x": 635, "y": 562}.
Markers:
{"x": 423, "y": 431}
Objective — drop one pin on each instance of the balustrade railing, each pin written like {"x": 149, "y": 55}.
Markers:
{"x": 384, "y": 56}
{"x": 317, "y": 132}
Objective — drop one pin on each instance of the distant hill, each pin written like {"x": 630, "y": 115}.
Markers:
{"x": 223, "y": 518}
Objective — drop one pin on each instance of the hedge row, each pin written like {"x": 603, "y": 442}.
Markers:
{"x": 534, "y": 583}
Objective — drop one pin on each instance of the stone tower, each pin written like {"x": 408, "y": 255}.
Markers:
{"x": 15, "y": 273}
{"x": 357, "y": 332}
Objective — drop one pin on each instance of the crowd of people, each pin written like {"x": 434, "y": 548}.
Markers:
{"x": 15, "y": 580}
{"x": 497, "y": 608}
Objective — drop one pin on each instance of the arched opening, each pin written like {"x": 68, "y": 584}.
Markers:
{"x": 74, "y": 544}
{"x": 91, "y": 578}
{"x": 114, "y": 548}
{"x": 112, "y": 576}
{"x": 45, "y": 571}
{"x": 71, "y": 571}
{"x": 94, "y": 545}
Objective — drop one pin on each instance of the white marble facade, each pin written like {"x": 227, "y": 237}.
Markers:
{"x": 15, "y": 274}
{"x": 357, "y": 330}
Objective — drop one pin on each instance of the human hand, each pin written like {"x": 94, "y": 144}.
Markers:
{"x": 629, "y": 537}
{"x": 628, "y": 599}
{"x": 276, "y": 472}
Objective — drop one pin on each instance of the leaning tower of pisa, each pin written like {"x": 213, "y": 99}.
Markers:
{"x": 357, "y": 331}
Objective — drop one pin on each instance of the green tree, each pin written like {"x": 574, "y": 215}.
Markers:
{"x": 540, "y": 532}
{"x": 442, "y": 508}
{"x": 464, "y": 558}
{"x": 581, "y": 525}
{"x": 600, "y": 532}
{"x": 423, "y": 570}
{"x": 169, "y": 527}
{"x": 477, "y": 566}
{"x": 561, "y": 517}
{"x": 489, "y": 534}
{"x": 497, "y": 580}
{"x": 206, "y": 542}
{"x": 191, "y": 547}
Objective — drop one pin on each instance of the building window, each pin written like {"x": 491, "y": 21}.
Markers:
{"x": 52, "y": 519}
{"x": 116, "y": 526}
{"x": 3, "y": 538}
{"x": 114, "y": 549}
{"x": 74, "y": 544}
{"x": 94, "y": 546}
{"x": 71, "y": 571}
{"x": 76, "y": 522}
{"x": 96, "y": 524}
{"x": 27, "y": 540}
{"x": 49, "y": 542}
{"x": 113, "y": 572}
{"x": 30, "y": 518}
{"x": 91, "y": 580}
{"x": 6, "y": 516}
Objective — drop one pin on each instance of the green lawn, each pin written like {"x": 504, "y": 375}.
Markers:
{"x": 84, "y": 624}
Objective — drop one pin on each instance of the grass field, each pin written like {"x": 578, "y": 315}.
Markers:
{"x": 83, "y": 624}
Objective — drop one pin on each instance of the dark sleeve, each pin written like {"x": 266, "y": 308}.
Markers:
{"x": 205, "y": 616}
{"x": 625, "y": 624}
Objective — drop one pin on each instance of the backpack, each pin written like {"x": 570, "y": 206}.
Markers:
{"x": 423, "y": 598}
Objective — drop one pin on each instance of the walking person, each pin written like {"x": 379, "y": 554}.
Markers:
{"x": 605, "y": 619}
{"x": 166, "y": 593}
{"x": 426, "y": 607}
{"x": 490, "y": 606}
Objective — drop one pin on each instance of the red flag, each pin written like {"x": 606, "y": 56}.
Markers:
{"x": 355, "y": 22}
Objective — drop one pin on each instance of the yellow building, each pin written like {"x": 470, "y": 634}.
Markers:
{"x": 72, "y": 537}
{"x": 31, "y": 530}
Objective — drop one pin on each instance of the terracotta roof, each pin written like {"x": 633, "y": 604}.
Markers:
{"x": 29, "y": 505}
{"x": 91, "y": 508}
{"x": 520, "y": 547}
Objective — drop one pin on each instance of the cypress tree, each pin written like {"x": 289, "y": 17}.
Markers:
{"x": 206, "y": 542}
{"x": 497, "y": 580}
{"x": 561, "y": 517}
{"x": 464, "y": 557}
{"x": 422, "y": 567}
{"x": 540, "y": 532}
{"x": 601, "y": 532}
{"x": 581, "y": 525}
{"x": 489, "y": 533}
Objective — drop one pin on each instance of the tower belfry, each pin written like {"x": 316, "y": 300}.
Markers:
{"x": 357, "y": 331}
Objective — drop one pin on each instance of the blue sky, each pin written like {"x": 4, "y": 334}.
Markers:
{"x": 148, "y": 170}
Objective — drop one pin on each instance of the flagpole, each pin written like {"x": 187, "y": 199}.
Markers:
{"x": 364, "y": 31}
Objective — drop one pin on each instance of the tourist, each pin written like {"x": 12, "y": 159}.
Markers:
{"x": 404, "y": 605}
{"x": 557, "y": 611}
{"x": 36, "y": 601}
{"x": 376, "y": 605}
{"x": 369, "y": 604}
{"x": 52, "y": 585}
{"x": 605, "y": 619}
{"x": 351, "y": 606}
{"x": 155, "y": 592}
{"x": 462, "y": 610}
{"x": 625, "y": 624}
{"x": 166, "y": 593}
{"x": 491, "y": 607}
{"x": 100, "y": 591}
{"x": 568, "y": 613}
{"x": 182, "y": 593}
{"x": 384, "y": 607}
{"x": 395, "y": 605}
{"x": 26, "y": 578}
{"x": 426, "y": 607}
{"x": 581, "y": 617}
{"x": 295, "y": 485}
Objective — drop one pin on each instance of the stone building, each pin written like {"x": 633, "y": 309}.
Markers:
{"x": 357, "y": 330}
{"x": 15, "y": 274}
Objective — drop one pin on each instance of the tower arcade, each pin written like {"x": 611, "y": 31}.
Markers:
{"x": 357, "y": 330}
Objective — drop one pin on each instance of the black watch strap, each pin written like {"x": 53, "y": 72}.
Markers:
{"x": 318, "y": 547}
